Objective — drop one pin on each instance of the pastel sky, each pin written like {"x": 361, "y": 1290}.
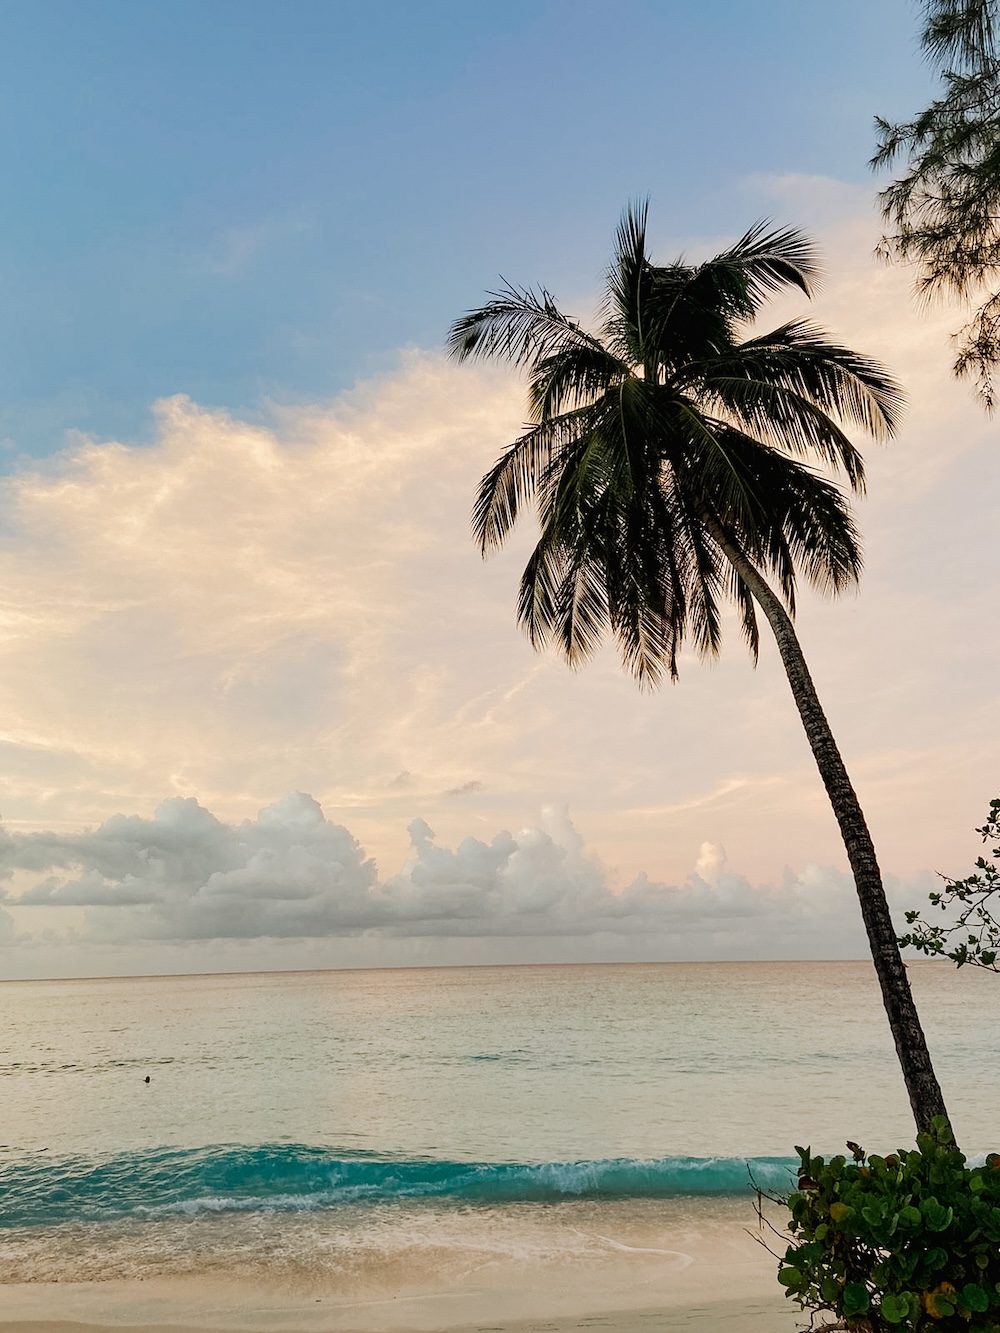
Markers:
{"x": 264, "y": 705}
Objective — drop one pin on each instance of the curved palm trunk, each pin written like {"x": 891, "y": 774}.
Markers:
{"x": 911, "y": 1046}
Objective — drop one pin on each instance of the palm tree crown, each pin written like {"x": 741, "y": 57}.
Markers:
{"x": 668, "y": 424}
{"x": 673, "y": 460}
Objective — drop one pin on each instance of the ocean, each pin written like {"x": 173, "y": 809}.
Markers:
{"x": 374, "y": 1134}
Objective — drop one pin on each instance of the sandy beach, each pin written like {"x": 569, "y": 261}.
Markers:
{"x": 754, "y": 1316}
{"x": 758, "y": 1314}
{"x": 699, "y": 1268}
{"x": 366, "y": 1153}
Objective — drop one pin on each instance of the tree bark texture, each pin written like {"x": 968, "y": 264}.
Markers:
{"x": 911, "y": 1046}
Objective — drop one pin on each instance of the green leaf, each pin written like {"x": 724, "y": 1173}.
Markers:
{"x": 829, "y": 1289}
{"x": 790, "y": 1277}
{"x": 894, "y": 1309}
{"x": 935, "y": 1214}
{"x": 856, "y": 1299}
{"x": 975, "y": 1298}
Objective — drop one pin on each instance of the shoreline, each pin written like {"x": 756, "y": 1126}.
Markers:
{"x": 696, "y": 1269}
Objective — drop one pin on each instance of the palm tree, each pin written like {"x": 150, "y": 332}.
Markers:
{"x": 663, "y": 456}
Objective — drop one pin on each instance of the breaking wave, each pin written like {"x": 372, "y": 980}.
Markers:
{"x": 38, "y": 1190}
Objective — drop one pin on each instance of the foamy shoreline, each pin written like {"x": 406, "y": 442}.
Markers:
{"x": 697, "y": 1270}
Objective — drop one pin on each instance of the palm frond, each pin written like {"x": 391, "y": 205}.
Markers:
{"x": 705, "y": 462}
{"x": 843, "y": 383}
{"x": 572, "y": 378}
{"x": 670, "y": 428}
{"x": 644, "y": 608}
{"x": 806, "y": 524}
{"x": 514, "y": 479}
{"x": 563, "y": 593}
{"x": 743, "y": 598}
{"x": 517, "y": 325}
{"x": 704, "y": 578}
{"x": 762, "y": 263}
{"x": 785, "y": 419}
{"x": 627, "y": 283}
{"x": 662, "y": 315}
{"x": 538, "y": 595}
{"x": 582, "y": 606}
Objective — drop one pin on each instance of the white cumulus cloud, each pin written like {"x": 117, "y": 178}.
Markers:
{"x": 290, "y": 873}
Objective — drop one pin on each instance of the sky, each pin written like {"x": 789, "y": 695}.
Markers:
{"x": 264, "y": 705}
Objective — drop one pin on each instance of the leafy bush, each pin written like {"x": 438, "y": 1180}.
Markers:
{"x": 908, "y": 1241}
{"x": 975, "y": 900}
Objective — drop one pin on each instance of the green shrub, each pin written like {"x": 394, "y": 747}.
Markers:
{"x": 908, "y": 1241}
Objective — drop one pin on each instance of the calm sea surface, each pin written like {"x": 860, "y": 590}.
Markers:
{"x": 342, "y": 1118}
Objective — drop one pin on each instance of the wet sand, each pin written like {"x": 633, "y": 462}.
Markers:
{"x": 700, "y": 1275}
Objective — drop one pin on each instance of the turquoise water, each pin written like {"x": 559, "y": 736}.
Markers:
{"x": 290, "y": 1178}
{"x": 289, "y": 1114}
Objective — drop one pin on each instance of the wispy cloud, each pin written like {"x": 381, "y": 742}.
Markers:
{"x": 244, "y": 608}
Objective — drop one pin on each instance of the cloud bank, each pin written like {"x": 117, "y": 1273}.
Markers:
{"x": 242, "y": 607}
{"x": 185, "y": 875}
